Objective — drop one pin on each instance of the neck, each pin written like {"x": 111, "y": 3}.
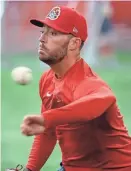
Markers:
{"x": 62, "y": 67}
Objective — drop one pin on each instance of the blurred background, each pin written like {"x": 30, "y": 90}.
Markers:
{"x": 107, "y": 50}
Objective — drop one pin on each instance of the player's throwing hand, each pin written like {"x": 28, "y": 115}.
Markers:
{"x": 32, "y": 125}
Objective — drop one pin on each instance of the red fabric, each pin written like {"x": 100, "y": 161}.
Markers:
{"x": 41, "y": 149}
{"x": 81, "y": 169}
{"x": 89, "y": 127}
{"x": 96, "y": 169}
{"x": 40, "y": 152}
{"x": 67, "y": 21}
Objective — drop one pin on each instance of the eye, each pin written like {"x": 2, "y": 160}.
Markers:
{"x": 42, "y": 32}
{"x": 53, "y": 33}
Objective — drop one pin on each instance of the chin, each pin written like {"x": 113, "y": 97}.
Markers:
{"x": 42, "y": 57}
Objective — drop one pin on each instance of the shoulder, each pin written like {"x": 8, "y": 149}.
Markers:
{"x": 89, "y": 85}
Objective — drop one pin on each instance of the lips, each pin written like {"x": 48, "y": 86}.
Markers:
{"x": 40, "y": 49}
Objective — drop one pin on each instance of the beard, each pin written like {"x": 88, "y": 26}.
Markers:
{"x": 55, "y": 56}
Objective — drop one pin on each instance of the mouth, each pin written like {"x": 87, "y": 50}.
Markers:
{"x": 41, "y": 51}
{"x": 41, "y": 48}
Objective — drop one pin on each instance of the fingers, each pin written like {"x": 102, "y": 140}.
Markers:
{"x": 25, "y": 130}
{"x": 32, "y": 129}
{"x": 40, "y": 130}
{"x": 38, "y": 119}
{"x": 27, "y": 119}
{"x": 32, "y": 125}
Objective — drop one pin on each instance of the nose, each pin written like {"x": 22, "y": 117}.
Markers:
{"x": 43, "y": 38}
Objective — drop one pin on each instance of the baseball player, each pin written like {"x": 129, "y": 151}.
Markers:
{"x": 79, "y": 110}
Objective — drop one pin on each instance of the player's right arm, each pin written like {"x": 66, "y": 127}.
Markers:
{"x": 43, "y": 144}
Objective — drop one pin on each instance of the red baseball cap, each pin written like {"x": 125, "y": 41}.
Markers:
{"x": 65, "y": 20}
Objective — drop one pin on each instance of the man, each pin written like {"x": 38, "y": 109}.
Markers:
{"x": 78, "y": 108}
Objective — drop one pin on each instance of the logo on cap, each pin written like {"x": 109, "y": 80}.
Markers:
{"x": 75, "y": 30}
{"x": 54, "y": 13}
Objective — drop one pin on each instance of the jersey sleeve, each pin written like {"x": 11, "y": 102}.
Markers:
{"x": 90, "y": 102}
{"x": 43, "y": 144}
{"x": 42, "y": 148}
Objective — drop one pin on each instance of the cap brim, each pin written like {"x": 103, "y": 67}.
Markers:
{"x": 40, "y": 23}
{"x": 37, "y": 23}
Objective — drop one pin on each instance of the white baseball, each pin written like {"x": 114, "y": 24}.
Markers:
{"x": 22, "y": 75}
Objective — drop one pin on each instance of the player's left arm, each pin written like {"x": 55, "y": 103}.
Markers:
{"x": 86, "y": 108}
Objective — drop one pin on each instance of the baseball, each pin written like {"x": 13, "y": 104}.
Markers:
{"x": 22, "y": 75}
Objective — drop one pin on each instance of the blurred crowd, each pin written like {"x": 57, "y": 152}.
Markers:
{"x": 109, "y": 25}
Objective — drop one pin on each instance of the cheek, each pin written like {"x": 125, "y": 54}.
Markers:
{"x": 57, "y": 41}
{"x": 57, "y": 46}
{"x": 54, "y": 46}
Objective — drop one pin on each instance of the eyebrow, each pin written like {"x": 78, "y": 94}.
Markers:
{"x": 48, "y": 27}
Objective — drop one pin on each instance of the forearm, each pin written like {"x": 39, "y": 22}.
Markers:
{"x": 41, "y": 149}
{"x": 82, "y": 110}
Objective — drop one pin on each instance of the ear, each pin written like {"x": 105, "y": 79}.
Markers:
{"x": 74, "y": 43}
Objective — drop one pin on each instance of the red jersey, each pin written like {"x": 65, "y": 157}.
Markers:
{"x": 81, "y": 112}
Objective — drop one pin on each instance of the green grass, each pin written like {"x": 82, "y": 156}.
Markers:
{"x": 18, "y": 101}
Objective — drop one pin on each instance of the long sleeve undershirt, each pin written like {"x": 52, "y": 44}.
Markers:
{"x": 82, "y": 110}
